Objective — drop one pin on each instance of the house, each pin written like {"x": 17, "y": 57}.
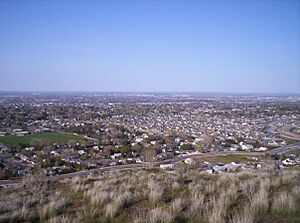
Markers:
{"x": 273, "y": 144}
{"x": 246, "y": 147}
{"x": 54, "y": 153}
{"x": 145, "y": 136}
{"x": 217, "y": 169}
{"x": 209, "y": 171}
{"x": 198, "y": 140}
{"x": 177, "y": 140}
{"x": 20, "y": 132}
{"x": 138, "y": 160}
{"x": 96, "y": 148}
{"x": 81, "y": 152}
{"x": 153, "y": 142}
{"x": 23, "y": 157}
{"x": 225, "y": 168}
{"x": 254, "y": 158}
{"x": 29, "y": 148}
{"x": 258, "y": 166}
{"x": 234, "y": 147}
{"x": 116, "y": 155}
{"x": 114, "y": 163}
{"x": 261, "y": 149}
{"x": 189, "y": 161}
{"x": 166, "y": 166}
{"x": 289, "y": 162}
{"x": 164, "y": 155}
{"x": 278, "y": 164}
{"x": 139, "y": 139}
{"x": 160, "y": 156}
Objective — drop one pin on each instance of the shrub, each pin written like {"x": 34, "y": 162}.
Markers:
{"x": 284, "y": 202}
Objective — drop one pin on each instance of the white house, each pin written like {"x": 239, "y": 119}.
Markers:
{"x": 246, "y": 147}
{"x": 145, "y": 136}
{"x": 289, "y": 162}
{"x": 114, "y": 156}
{"x": 54, "y": 153}
{"x": 81, "y": 152}
{"x": 261, "y": 149}
{"x": 138, "y": 160}
{"x": 166, "y": 166}
{"x": 96, "y": 148}
{"x": 189, "y": 161}
{"x": 139, "y": 139}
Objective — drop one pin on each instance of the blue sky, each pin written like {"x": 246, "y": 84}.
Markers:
{"x": 219, "y": 46}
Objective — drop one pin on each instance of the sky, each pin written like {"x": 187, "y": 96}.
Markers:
{"x": 132, "y": 46}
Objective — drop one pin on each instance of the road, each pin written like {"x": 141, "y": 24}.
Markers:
{"x": 83, "y": 173}
{"x": 284, "y": 149}
{"x": 287, "y": 134}
{"x": 79, "y": 173}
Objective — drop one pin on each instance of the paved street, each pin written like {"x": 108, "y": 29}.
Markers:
{"x": 280, "y": 150}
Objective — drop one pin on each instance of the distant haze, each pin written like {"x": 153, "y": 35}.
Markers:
{"x": 194, "y": 46}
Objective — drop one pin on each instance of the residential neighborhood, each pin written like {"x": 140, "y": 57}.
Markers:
{"x": 61, "y": 134}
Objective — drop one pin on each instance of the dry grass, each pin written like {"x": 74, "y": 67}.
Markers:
{"x": 284, "y": 202}
{"x": 243, "y": 216}
{"x": 177, "y": 205}
{"x": 156, "y": 191}
{"x": 160, "y": 216}
{"x": 259, "y": 201}
{"x": 55, "y": 206}
{"x": 197, "y": 204}
{"x": 156, "y": 196}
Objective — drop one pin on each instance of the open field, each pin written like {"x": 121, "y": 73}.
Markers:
{"x": 34, "y": 139}
{"x": 222, "y": 159}
{"x": 295, "y": 151}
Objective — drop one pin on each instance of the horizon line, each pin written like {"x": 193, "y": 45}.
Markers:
{"x": 149, "y": 92}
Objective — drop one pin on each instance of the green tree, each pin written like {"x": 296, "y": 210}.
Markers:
{"x": 124, "y": 149}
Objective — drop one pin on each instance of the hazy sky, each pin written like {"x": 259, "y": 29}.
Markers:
{"x": 158, "y": 45}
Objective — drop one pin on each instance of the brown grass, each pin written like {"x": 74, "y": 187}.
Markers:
{"x": 156, "y": 196}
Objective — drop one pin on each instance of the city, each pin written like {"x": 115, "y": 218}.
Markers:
{"x": 64, "y": 133}
{"x": 59, "y": 136}
{"x": 165, "y": 111}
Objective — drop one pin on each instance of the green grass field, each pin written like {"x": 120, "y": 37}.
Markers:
{"x": 35, "y": 139}
{"x": 295, "y": 151}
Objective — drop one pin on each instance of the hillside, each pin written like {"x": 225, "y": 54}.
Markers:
{"x": 154, "y": 195}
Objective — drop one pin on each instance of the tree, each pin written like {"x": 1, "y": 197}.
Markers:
{"x": 124, "y": 149}
{"x": 138, "y": 148}
{"x": 84, "y": 156}
{"x": 149, "y": 154}
{"x": 5, "y": 174}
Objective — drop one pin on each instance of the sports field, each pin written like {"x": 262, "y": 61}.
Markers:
{"x": 34, "y": 139}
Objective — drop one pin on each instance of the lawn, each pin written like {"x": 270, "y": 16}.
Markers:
{"x": 34, "y": 139}
{"x": 295, "y": 151}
